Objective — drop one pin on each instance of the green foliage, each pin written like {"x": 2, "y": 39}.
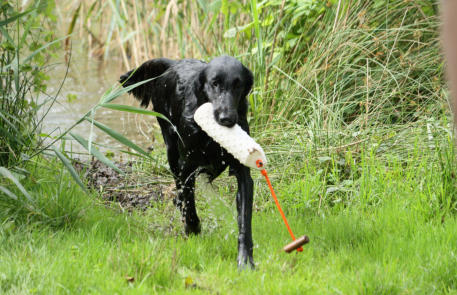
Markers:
{"x": 372, "y": 63}
{"x": 45, "y": 196}
{"x": 22, "y": 77}
{"x": 85, "y": 247}
{"x": 297, "y": 26}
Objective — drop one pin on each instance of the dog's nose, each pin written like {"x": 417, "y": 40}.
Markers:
{"x": 226, "y": 120}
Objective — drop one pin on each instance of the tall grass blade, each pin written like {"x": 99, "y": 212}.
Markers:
{"x": 8, "y": 122}
{"x": 95, "y": 152}
{"x": 255, "y": 16}
{"x": 70, "y": 168}
{"x": 116, "y": 92}
{"x": 89, "y": 12}
{"x": 15, "y": 62}
{"x": 119, "y": 137}
{"x": 43, "y": 48}
{"x": 91, "y": 133}
{"x": 136, "y": 110}
{"x": 15, "y": 17}
{"x": 7, "y": 174}
{"x": 8, "y": 193}
{"x": 131, "y": 109}
{"x": 71, "y": 27}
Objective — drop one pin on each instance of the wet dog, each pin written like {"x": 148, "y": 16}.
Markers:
{"x": 177, "y": 89}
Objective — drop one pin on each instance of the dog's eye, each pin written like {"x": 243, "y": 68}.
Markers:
{"x": 215, "y": 83}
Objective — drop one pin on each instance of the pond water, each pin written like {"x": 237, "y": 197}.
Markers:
{"x": 86, "y": 81}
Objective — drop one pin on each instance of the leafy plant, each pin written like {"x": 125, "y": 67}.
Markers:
{"x": 22, "y": 78}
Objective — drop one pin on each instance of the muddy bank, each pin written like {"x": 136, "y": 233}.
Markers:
{"x": 130, "y": 190}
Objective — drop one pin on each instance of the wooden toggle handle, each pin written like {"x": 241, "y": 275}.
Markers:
{"x": 296, "y": 244}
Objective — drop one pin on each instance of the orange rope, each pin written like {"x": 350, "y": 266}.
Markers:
{"x": 264, "y": 173}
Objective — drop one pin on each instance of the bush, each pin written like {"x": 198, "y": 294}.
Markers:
{"x": 366, "y": 62}
{"x": 22, "y": 78}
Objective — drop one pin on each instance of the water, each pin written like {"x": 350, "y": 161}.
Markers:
{"x": 87, "y": 79}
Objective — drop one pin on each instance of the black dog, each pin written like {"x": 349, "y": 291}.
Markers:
{"x": 177, "y": 90}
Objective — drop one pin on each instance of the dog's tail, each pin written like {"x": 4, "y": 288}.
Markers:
{"x": 151, "y": 69}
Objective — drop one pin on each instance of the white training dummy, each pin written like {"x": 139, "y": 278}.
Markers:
{"x": 234, "y": 139}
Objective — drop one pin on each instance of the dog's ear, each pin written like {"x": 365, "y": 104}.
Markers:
{"x": 150, "y": 69}
{"x": 134, "y": 76}
{"x": 248, "y": 81}
{"x": 199, "y": 85}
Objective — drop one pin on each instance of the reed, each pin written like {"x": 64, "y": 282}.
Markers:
{"x": 139, "y": 30}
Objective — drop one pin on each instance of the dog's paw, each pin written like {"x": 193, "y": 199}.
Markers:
{"x": 192, "y": 228}
{"x": 245, "y": 259}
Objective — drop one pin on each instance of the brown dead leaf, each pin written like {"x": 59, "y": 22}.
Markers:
{"x": 129, "y": 279}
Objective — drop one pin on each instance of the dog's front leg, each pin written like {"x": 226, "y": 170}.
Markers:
{"x": 185, "y": 201}
{"x": 244, "y": 199}
{"x": 184, "y": 176}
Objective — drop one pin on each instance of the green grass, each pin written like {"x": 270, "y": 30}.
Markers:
{"x": 379, "y": 251}
{"x": 393, "y": 230}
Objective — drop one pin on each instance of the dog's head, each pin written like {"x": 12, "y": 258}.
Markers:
{"x": 225, "y": 82}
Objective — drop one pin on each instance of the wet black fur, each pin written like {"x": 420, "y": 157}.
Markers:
{"x": 179, "y": 87}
